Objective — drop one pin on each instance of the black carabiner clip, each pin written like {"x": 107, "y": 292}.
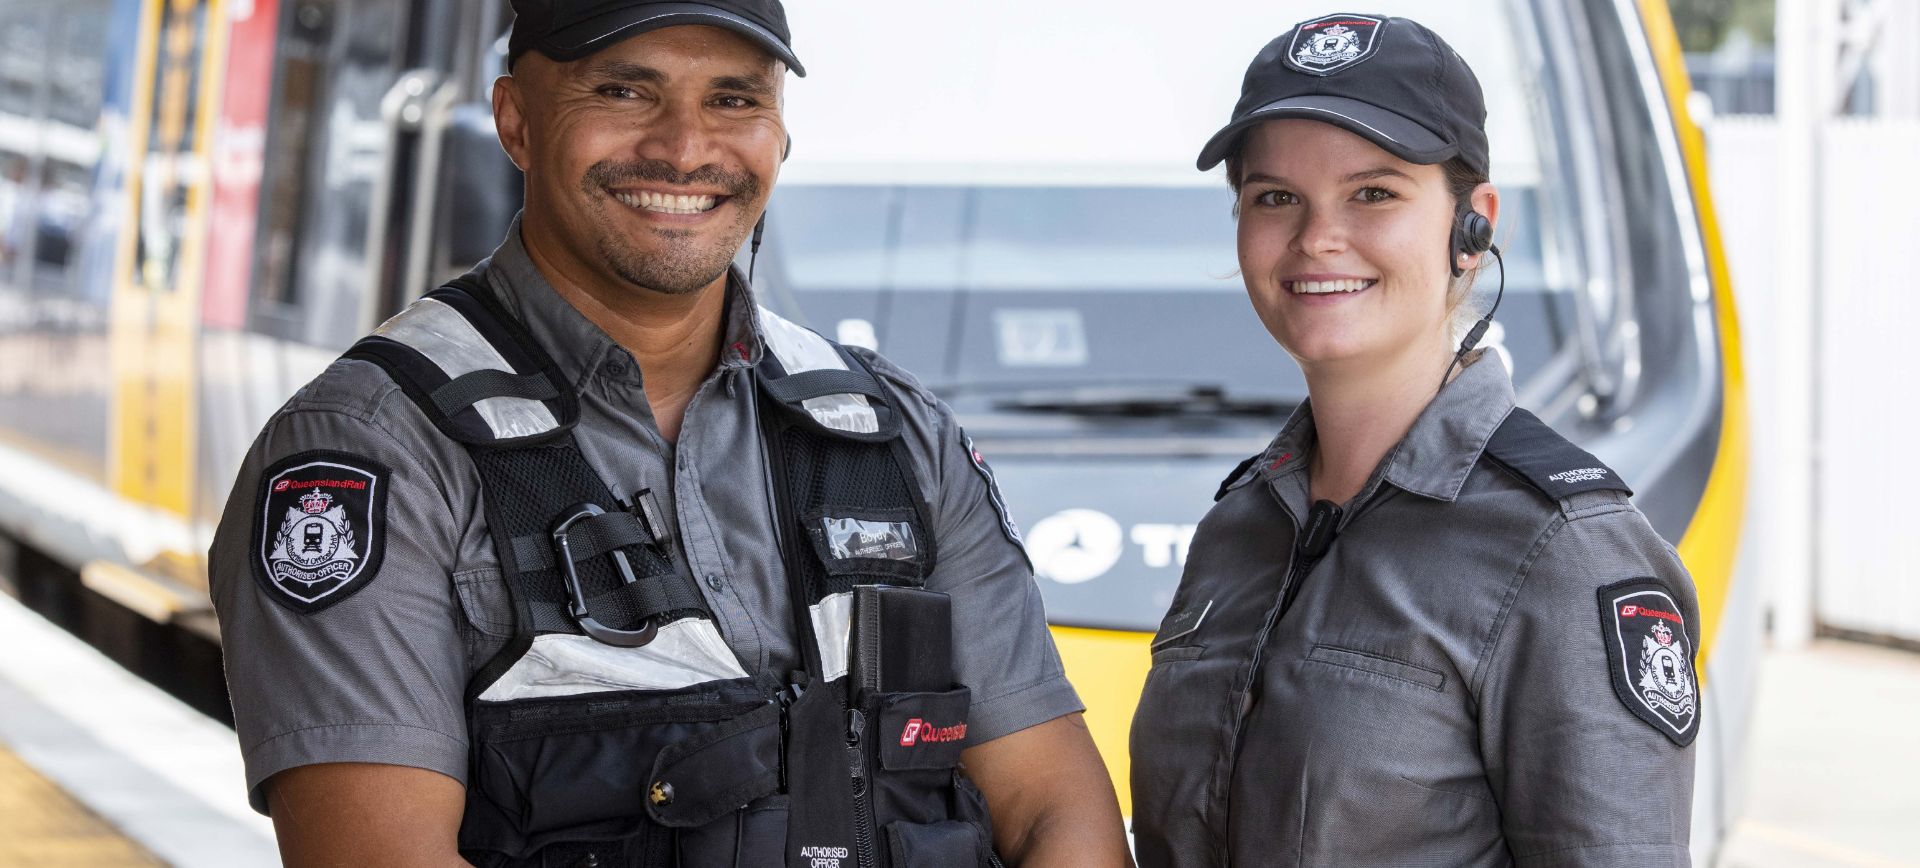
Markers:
{"x": 577, "y": 599}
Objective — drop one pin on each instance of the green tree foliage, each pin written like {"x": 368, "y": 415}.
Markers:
{"x": 1704, "y": 24}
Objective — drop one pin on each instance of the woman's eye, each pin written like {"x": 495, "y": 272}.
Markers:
{"x": 1273, "y": 198}
{"x": 1376, "y": 194}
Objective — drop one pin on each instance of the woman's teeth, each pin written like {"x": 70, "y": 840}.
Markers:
{"x": 1316, "y": 287}
{"x": 666, "y": 203}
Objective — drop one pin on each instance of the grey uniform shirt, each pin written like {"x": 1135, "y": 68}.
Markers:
{"x": 379, "y": 676}
{"x": 1439, "y": 693}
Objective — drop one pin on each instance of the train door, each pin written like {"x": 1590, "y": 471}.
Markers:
{"x": 156, "y": 297}
{"x": 352, "y": 115}
{"x": 348, "y": 84}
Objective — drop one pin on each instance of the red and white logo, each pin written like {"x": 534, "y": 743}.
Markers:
{"x": 919, "y": 731}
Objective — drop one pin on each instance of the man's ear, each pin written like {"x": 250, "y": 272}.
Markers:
{"x": 510, "y": 120}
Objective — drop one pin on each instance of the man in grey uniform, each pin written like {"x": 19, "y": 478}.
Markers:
{"x": 358, "y": 590}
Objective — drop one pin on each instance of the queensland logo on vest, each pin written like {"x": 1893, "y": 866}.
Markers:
{"x": 1334, "y": 42}
{"x": 1651, "y": 660}
{"x": 919, "y": 731}
{"x": 321, "y": 527}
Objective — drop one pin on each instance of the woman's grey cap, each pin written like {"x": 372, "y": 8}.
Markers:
{"x": 1389, "y": 80}
{"x": 571, "y": 29}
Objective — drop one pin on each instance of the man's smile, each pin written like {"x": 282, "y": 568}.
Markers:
{"x": 665, "y": 202}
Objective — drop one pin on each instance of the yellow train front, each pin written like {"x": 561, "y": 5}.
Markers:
{"x": 205, "y": 201}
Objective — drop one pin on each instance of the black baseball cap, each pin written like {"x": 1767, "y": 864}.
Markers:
{"x": 1389, "y": 80}
{"x": 571, "y": 29}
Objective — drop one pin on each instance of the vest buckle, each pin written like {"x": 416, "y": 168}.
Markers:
{"x": 577, "y": 599}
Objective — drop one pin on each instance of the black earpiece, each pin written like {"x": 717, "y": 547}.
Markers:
{"x": 753, "y": 253}
{"x": 788, "y": 150}
{"x": 1472, "y": 236}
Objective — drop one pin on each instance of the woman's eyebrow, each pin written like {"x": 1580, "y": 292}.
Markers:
{"x": 1381, "y": 172}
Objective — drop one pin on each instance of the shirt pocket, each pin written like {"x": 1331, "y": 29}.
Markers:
{"x": 1377, "y": 664}
{"x": 1178, "y": 653}
{"x": 487, "y": 612}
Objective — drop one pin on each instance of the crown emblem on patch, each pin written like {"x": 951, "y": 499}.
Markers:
{"x": 315, "y": 502}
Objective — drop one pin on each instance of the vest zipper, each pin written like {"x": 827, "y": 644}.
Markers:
{"x": 1323, "y": 524}
{"x": 862, "y": 794}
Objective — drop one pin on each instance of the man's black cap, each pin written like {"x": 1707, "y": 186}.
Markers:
{"x": 571, "y": 29}
{"x": 1389, "y": 80}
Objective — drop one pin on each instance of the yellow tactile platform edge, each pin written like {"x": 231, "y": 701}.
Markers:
{"x": 42, "y": 827}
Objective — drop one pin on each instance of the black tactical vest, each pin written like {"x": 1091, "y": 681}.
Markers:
{"x": 616, "y": 729}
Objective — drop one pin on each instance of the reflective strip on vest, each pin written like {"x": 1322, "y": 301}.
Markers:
{"x": 436, "y": 330}
{"x": 801, "y": 350}
{"x": 833, "y": 629}
{"x": 684, "y": 653}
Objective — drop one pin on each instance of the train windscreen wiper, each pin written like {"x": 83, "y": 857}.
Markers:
{"x": 1194, "y": 400}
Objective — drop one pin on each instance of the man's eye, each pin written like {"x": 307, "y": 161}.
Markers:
{"x": 619, "y": 91}
{"x": 1376, "y": 194}
{"x": 733, "y": 102}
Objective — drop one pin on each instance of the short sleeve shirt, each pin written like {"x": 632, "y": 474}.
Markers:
{"x": 1440, "y": 691}
{"x": 380, "y": 675}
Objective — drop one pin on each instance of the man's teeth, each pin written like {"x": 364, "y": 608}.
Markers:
{"x": 667, "y": 203}
{"x": 1315, "y": 287}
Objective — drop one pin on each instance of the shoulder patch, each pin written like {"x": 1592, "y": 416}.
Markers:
{"x": 1007, "y": 525}
{"x": 1650, "y": 658}
{"x": 320, "y": 528}
{"x": 1548, "y": 461}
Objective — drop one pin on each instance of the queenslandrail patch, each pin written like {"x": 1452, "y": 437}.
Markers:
{"x": 1650, "y": 657}
{"x": 320, "y": 528}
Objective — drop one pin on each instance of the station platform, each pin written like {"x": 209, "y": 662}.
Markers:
{"x": 100, "y": 768}
{"x": 40, "y": 825}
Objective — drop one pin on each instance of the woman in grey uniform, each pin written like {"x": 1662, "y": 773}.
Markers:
{"x": 1421, "y": 628}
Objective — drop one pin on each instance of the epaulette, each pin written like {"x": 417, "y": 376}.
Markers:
{"x": 1239, "y": 470}
{"x": 1548, "y": 461}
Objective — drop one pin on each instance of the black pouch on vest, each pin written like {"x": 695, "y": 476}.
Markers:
{"x": 612, "y": 775}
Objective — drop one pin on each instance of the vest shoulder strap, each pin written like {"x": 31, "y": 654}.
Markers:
{"x": 1548, "y": 461}
{"x": 472, "y": 368}
{"x": 822, "y": 382}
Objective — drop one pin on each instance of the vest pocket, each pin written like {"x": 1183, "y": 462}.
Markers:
{"x": 949, "y": 844}
{"x": 552, "y": 774}
{"x": 922, "y": 730}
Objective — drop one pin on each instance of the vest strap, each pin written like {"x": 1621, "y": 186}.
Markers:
{"x": 469, "y": 389}
{"x": 807, "y": 385}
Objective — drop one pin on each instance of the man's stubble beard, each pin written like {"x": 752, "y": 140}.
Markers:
{"x": 681, "y": 267}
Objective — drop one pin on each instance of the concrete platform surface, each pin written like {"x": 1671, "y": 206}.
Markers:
{"x": 157, "y": 772}
{"x": 1833, "y": 769}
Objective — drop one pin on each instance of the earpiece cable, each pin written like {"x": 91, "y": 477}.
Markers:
{"x": 1479, "y": 329}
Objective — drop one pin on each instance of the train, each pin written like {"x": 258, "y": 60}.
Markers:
{"x": 203, "y": 202}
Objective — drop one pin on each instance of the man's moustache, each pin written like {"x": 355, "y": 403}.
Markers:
{"x": 607, "y": 174}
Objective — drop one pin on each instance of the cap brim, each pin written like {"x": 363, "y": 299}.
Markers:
{"x": 1394, "y": 133}
{"x": 594, "y": 34}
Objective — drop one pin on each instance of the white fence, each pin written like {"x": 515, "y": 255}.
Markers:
{"x": 1860, "y": 535}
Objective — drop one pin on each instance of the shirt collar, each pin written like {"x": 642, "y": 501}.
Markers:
{"x": 1438, "y": 452}
{"x": 1445, "y": 442}
{"x": 577, "y": 345}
